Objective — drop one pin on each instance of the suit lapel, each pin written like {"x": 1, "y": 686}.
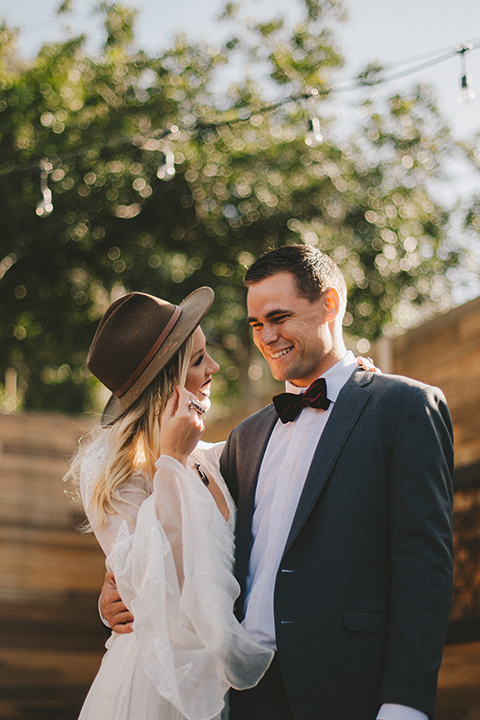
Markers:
{"x": 252, "y": 455}
{"x": 253, "y": 449}
{"x": 347, "y": 409}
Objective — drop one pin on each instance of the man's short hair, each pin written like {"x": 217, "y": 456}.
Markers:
{"x": 314, "y": 272}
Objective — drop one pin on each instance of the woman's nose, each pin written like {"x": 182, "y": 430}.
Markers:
{"x": 213, "y": 367}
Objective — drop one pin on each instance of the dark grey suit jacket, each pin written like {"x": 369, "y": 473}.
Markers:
{"x": 364, "y": 587}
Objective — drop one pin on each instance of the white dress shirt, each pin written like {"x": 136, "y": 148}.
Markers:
{"x": 281, "y": 479}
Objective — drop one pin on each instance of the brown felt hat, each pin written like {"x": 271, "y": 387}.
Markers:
{"x": 136, "y": 337}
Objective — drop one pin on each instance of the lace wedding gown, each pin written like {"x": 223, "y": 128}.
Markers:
{"x": 172, "y": 562}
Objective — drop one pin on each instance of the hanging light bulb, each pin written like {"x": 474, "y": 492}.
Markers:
{"x": 466, "y": 92}
{"x": 166, "y": 169}
{"x": 314, "y": 134}
{"x": 45, "y": 204}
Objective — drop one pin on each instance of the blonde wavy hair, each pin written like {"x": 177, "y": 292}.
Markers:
{"x": 133, "y": 441}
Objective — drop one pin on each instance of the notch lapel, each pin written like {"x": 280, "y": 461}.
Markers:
{"x": 252, "y": 453}
{"x": 345, "y": 413}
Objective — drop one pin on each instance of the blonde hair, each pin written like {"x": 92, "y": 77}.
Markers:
{"x": 133, "y": 441}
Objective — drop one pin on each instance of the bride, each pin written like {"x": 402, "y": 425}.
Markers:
{"x": 164, "y": 518}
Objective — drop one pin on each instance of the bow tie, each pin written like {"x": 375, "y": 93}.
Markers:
{"x": 289, "y": 405}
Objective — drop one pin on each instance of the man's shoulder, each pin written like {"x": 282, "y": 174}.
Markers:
{"x": 254, "y": 424}
{"x": 252, "y": 430}
{"x": 258, "y": 417}
{"x": 392, "y": 385}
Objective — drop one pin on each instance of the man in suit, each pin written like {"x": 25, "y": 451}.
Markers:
{"x": 344, "y": 541}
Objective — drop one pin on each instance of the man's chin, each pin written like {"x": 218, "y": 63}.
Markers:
{"x": 279, "y": 374}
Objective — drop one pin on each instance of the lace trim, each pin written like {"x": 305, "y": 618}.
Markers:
{"x": 169, "y": 676}
{"x": 119, "y": 554}
{"x": 155, "y": 570}
{"x": 91, "y": 467}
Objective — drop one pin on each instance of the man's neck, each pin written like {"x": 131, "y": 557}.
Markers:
{"x": 328, "y": 361}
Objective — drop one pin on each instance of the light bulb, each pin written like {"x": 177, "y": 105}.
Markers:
{"x": 45, "y": 204}
{"x": 314, "y": 135}
{"x": 166, "y": 169}
{"x": 466, "y": 92}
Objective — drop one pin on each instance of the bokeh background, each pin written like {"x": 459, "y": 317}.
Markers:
{"x": 154, "y": 148}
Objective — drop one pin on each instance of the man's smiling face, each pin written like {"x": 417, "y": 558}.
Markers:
{"x": 291, "y": 332}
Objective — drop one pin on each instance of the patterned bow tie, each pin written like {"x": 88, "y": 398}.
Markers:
{"x": 289, "y": 405}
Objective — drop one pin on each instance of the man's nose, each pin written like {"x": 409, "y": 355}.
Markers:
{"x": 269, "y": 334}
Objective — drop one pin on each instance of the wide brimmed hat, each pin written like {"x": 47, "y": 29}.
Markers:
{"x": 136, "y": 337}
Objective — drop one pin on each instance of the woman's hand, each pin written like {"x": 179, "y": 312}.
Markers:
{"x": 181, "y": 425}
{"x": 367, "y": 364}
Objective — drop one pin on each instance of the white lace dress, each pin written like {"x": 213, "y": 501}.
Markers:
{"x": 173, "y": 568}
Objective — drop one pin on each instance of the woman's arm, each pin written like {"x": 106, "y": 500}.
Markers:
{"x": 181, "y": 428}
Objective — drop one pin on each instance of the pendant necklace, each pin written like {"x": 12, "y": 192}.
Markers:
{"x": 202, "y": 475}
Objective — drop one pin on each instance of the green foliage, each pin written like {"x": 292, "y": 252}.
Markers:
{"x": 125, "y": 218}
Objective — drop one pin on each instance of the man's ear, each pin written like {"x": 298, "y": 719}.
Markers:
{"x": 332, "y": 303}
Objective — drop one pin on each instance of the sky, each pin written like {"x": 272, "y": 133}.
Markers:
{"x": 386, "y": 31}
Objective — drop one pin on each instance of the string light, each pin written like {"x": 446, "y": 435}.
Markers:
{"x": 466, "y": 93}
{"x": 314, "y": 135}
{"x": 166, "y": 170}
{"x": 45, "y": 204}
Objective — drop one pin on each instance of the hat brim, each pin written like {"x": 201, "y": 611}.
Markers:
{"x": 194, "y": 308}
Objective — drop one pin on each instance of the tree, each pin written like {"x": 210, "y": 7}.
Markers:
{"x": 162, "y": 182}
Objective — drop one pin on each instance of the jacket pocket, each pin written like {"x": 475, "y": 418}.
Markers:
{"x": 374, "y": 621}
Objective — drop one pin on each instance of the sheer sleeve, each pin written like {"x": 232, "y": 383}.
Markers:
{"x": 132, "y": 495}
{"x": 174, "y": 572}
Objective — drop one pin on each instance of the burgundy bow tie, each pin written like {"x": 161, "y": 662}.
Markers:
{"x": 289, "y": 405}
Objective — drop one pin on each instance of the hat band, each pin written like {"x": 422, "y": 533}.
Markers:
{"x": 149, "y": 356}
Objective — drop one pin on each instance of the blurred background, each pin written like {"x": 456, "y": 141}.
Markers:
{"x": 153, "y": 149}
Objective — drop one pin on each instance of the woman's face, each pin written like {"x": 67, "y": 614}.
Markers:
{"x": 200, "y": 369}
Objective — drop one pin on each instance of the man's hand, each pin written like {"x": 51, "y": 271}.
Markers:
{"x": 113, "y": 608}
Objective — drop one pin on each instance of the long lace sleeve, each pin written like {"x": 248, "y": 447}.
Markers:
{"x": 131, "y": 497}
{"x": 174, "y": 571}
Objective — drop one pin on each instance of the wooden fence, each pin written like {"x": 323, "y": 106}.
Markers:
{"x": 51, "y": 641}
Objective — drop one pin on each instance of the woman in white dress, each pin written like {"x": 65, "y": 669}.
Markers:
{"x": 164, "y": 518}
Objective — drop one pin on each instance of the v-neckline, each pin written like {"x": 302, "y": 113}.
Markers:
{"x": 211, "y": 481}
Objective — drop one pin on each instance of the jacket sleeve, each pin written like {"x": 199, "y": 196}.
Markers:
{"x": 421, "y": 499}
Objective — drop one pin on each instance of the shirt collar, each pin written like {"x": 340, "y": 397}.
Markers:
{"x": 336, "y": 377}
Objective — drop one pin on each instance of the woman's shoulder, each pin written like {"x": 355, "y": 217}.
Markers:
{"x": 208, "y": 451}
{"x": 92, "y": 463}
{"x": 210, "y": 446}
{"x": 94, "y": 457}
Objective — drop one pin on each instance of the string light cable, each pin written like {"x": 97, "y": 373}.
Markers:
{"x": 162, "y": 138}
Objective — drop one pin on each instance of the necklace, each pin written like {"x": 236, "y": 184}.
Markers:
{"x": 202, "y": 475}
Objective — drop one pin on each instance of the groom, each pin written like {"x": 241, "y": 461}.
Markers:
{"x": 344, "y": 543}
